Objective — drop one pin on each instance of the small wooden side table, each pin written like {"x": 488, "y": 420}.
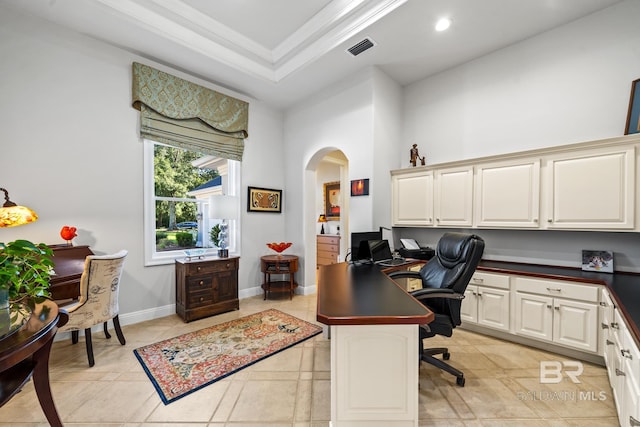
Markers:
{"x": 279, "y": 264}
{"x": 24, "y": 354}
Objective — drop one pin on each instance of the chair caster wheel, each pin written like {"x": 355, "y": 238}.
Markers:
{"x": 460, "y": 381}
{"x": 446, "y": 356}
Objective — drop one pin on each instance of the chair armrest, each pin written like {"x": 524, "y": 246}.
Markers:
{"x": 427, "y": 293}
{"x": 404, "y": 274}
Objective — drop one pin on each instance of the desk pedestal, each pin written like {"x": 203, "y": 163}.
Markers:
{"x": 374, "y": 375}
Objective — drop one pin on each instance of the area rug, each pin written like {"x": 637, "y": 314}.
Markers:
{"x": 184, "y": 364}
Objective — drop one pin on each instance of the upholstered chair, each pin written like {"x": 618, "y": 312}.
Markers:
{"x": 98, "y": 301}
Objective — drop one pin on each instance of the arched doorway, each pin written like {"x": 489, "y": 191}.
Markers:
{"x": 324, "y": 161}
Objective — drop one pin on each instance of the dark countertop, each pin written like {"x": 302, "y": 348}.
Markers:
{"x": 623, "y": 287}
{"x": 364, "y": 295}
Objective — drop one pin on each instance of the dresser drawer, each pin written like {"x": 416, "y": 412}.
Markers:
{"x": 327, "y": 259}
{"x": 329, "y": 240}
{"x": 489, "y": 279}
{"x": 555, "y": 288}
{"x": 326, "y": 247}
{"x": 198, "y": 283}
{"x": 210, "y": 267}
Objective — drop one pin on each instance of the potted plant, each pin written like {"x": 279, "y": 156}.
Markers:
{"x": 25, "y": 270}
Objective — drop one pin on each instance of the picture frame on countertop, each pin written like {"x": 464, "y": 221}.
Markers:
{"x": 600, "y": 261}
{"x": 264, "y": 200}
{"x": 633, "y": 115}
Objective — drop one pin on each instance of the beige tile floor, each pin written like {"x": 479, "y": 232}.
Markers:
{"x": 291, "y": 389}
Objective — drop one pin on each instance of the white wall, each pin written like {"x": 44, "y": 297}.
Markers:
{"x": 71, "y": 151}
{"x": 568, "y": 85}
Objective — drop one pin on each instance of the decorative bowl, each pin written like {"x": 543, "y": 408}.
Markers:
{"x": 193, "y": 253}
{"x": 279, "y": 247}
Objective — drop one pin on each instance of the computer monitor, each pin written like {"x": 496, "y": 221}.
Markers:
{"x": 360, "y": 244}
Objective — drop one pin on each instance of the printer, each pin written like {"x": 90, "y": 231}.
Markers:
{"x": 411, "y": 249}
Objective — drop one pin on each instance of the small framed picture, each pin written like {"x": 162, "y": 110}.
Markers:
{"x": 264, "y": 200}
{"x": 360, "y": 187}
{"x": 601, "y": 261}
{"x": 633, "y": 116}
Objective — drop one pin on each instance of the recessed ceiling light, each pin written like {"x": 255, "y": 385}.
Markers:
{"x": 443, "y": 24}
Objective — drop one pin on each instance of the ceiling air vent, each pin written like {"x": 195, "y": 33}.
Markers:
{"x": 361, "y": 46}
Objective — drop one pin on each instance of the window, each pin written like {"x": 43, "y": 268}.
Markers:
{"x": 178, "y": 184}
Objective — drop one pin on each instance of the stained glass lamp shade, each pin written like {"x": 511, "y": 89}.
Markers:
{"x": 12, "y": 215}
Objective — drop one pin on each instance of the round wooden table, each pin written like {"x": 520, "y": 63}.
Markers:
{"x": 25, "y": 352}
{"x": 279, "y": 264}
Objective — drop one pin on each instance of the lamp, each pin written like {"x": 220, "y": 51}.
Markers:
{"x": 224, "y": 208}
{"x": 12, "y": 214}
{"x": 322, "y": 219}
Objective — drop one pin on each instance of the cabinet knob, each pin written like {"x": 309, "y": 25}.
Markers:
{"x": 201, "y": 299}
{"x": 201, "y": 282}
{"x": 198, "y": 268}
{"x": 609, "y": 342}
{"x": 604, "y": 326}
{"x": 556, "y": 307}
{"x": 549, "y": 306}
{"x": 614, "y": 325}
{"x": 228, "y": 265}
{"x": 626, "y": 353}
{"x": 603, "y": 304}
{"x": 620, "y": 373}
{"x": 549, "y": 220}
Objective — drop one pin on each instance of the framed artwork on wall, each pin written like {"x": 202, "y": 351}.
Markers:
{"x": 633, "y": 116}
{"x": 264, "y": 200}
{"x": 360, "y": 187}
{"x": 332, "y": 201}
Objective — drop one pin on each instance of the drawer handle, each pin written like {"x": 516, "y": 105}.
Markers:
{"x": 603, "y": 304}
{"x": 609, "y": 342}
{"x": 614, "y": 325}
{"x": 604, "y": 326}
{"x": 633, "y": 422}
{"x": 201, "y": 282}
{"x": 549, "y": 220}
{"x": 626, "y": 353}
{"x": 478, "y": 280}
{"x": 549, "y": 306}
{"x": 198, "y": 268}
{"x": 620, "y": 373}
{"x": 228, "y": 265}
{"x": 556, "y": 307}
{"x": 554, "y": 289}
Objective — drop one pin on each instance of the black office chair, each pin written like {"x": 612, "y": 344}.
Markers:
{"x": 444, "y": 280}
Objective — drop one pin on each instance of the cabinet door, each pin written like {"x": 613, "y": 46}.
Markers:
{"x": 469, "y": 307}
{"x": 225, "y": 286}
{"x": 454, "y": 196}
{"x": 593, "y": 191}
{"x": 493, "y": 308}
{"x": 534, "y": 316}
{"x": 575, "y": 324}
{"x": 412, "y": 199}
{"x": 508, "y": 194}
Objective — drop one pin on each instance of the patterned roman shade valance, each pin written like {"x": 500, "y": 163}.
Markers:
{"x": 183, "y": 114}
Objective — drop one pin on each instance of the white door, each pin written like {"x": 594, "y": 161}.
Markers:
{"x": 493, "y": 308}
{"x": 508, "y": 194}
{"x": 576, "y": 324}
{"x": 412, "y": 199}
{"x": 454, "y": 196}
{"x": 534, "y": 316}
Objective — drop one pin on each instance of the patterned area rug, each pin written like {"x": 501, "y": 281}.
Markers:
{"x": 184, "y": 364}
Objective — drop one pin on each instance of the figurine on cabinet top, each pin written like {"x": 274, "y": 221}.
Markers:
{"x": 415, "y": 156}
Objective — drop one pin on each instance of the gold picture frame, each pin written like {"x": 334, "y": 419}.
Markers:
{"x": 264, "y": 200}
{"x": 332, "y": 200}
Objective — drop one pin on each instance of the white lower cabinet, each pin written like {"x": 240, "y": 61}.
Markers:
{"x": 559, "y": 312}
{"x": 486, "y": 301}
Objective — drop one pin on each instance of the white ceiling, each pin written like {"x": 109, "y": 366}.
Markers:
{"x": 282, "y": 51}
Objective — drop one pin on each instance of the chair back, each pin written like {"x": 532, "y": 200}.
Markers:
{"x": 100, "y": 284}
{"x": 457, "y": 256}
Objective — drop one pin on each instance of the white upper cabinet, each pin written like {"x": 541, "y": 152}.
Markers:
{"x": 592, "y": 189}
{"x": 412, "y": 198}
{"x": 508, "y": 194}
{"x": 454, "y": 196}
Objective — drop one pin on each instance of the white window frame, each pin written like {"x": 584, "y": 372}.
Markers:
{"x": 232, "y": 188}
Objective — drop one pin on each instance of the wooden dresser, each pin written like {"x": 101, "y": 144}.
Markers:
{"x": 205, "y": 287}
{"x": 328, "y": 249}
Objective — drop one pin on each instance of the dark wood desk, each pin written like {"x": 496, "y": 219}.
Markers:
{"x": 25, "y": 353}
{"x": 279, "y": 264}
{"x": 69, "y": 265}
{"x": 374, "y": 345}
